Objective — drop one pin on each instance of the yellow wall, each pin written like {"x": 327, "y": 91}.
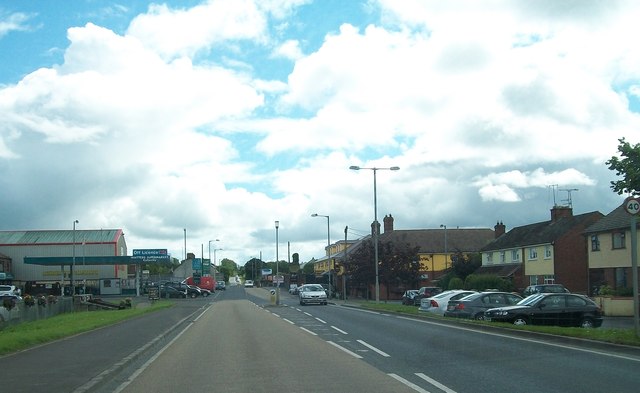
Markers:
{"x": 607, "y": 257}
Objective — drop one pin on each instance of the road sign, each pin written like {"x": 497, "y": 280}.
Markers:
{"x": 632, "y": 205}
{"x": 158, "y": 253}
{"x": 278, "y": 279}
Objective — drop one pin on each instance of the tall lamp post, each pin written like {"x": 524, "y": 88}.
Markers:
{"x": 328, "y": 248}
{"x": 375, "y": 221}
{"x": 73, "y": 260}
{"x": 446, "y": 248}
{"x": 214, "y": 252}
{"x": 214, "y": 255}
{"x": 277, "y": 266}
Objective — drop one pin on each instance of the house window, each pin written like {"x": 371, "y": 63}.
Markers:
{"x": 549, "y": 279}
{"x": 621, "y": 277}
{"x": 618, "y": 240}
{"x": 489, "y": 257}
{"x": 595, "y": 243}
{"x": 547, "y": 252}
{"x": 533, "y": 253}
{"x": 533, "y": 280}
{"x": 514, "y": 255}
{"x": 502, "y": 258}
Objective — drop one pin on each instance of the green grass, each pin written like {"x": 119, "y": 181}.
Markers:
{"x": 615, "y": 336}
{"x": 25, "y": 335}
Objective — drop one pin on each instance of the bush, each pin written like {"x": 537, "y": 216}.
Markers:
{"x": 455, "y": 283}
{"x": 8, "y": 303}
{"x": 28, "y": 300}
{"x": 483, "y": 282}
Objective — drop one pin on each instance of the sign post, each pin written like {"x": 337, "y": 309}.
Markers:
{"x": 632, "y": 206}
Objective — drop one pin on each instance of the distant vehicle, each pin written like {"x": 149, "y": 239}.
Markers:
{"x": 9, "y": 290}
{"x": 192, "y": 290}
{"x": 556, "y": 309}
{"x": 473, "y": 306}
{"x": 205, "y": 292}
{"x": 248, "y": 283}
{"x": 206, "y": 282}
{"x": 169, "y": 291}
{"x": 312, "y": 293}
{"x": 544, "y": 288}
{"x": 438, "y": 304}
{"x": 220, "y": 285}
{"x": 408, "y": 297}
{"x": 427, "y": 292}
{"x": 293, "y": 289}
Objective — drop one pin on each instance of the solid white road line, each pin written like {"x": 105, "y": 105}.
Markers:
{"x": 371, "y": 347}
{"x": 355, "y": 355}
{"x": 435, "y": 383}
{"x": 408, "y": 383}
{"x": 340, "y": 330}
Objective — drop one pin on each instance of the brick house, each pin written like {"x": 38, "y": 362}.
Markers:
{"x": 551, "y": 251}
{"x": 609, "y": 250}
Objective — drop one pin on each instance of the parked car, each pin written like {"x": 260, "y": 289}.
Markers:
{"x": 312, "y": 293}
{"x": 192, "y": 291}
{"x": 409, "y": 296}
{"x": 293, "y": 289}
{"x": 248, "y": 283}
{"x": 544, "y": 288}
{"x": 556, "y": 309}
{"x": 9, "y": 290}
{"x": 427, "y": 292}
{"x": 221, "y": 286}
{"x": 438, "y": 304}
{"x": 168, "y": 291}
{"x": 205, "y": 292}
{"x": 473, "y": 306}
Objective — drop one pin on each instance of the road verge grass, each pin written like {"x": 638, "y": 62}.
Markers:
{"x": 25, "y": 335}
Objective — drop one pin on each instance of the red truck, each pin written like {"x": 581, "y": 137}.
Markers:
{"x": 205, "y": 282}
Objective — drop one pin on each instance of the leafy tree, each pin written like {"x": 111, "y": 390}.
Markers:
{"x": 398, "y": 264}
{"x": 463, "y": 265}
{"x": 252, "y": 269}
{"x": 307, "y": 268}
{"x": 228, "y": 268}
{"x": 627, "y": 166}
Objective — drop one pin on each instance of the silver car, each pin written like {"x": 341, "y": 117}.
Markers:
{"x": 438, "y": 304}
{"x": 312, "y": 294}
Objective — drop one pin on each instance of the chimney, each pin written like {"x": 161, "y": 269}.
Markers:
{"x": 499, "y": 229}
{"x": 373, "y": 226}
{"x": 388, "y": 223}
{"x": 559, "y": 212}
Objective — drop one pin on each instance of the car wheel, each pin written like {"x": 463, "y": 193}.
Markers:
{"x": 301, "y": 303}
{"x": 586, "y": 323}
{"x": 205, "y": 294}
{"x": 520, "y": 321}
{"x": 479, "y": 316}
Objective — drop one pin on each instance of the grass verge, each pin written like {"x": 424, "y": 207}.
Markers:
{"x": 25, "y": 335}
{"x": 614, "y": 336}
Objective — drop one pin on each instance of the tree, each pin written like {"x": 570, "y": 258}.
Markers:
{"x": 398, "y": 265}
{"x": 627, "y": 166}
{"x": 464, "y": 265}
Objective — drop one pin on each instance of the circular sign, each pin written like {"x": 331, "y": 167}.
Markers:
{"x": 632, "y": 205}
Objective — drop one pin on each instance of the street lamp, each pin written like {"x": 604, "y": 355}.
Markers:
{"x": 328, "y": 248}
{"x": 375, "y": 220}
{"x": 277, "y": 266}
{"x": 214, "y": 252}
{"x": 446, "y": 249}
{"x": 73, "y": 259}
{"x": 214, "y": 255}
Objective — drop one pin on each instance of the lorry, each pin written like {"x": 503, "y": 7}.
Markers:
{"x": 206, "y": 282}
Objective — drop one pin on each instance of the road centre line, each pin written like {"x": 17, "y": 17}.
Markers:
{"x": 435, "y": 383}
{"x": 306, "y": 313}
{"x": 374, "y": 349}
{"x": 340, "y": 330}
{"x": 530, "y": 340}
{"x": 408, "y": 383}
{"x": 319, "y": 320}
{"x": 355, "y": 355}
{"x": 291, "y": 322}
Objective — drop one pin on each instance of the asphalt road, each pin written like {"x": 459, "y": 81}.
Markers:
{"x": 238, "y": 342}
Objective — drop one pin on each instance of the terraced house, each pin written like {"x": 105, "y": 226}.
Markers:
{"x": 609, "y": 251}
{"x": 546, "y": 252}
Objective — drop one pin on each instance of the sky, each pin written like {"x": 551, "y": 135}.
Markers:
{"x": 215, "y": 119}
